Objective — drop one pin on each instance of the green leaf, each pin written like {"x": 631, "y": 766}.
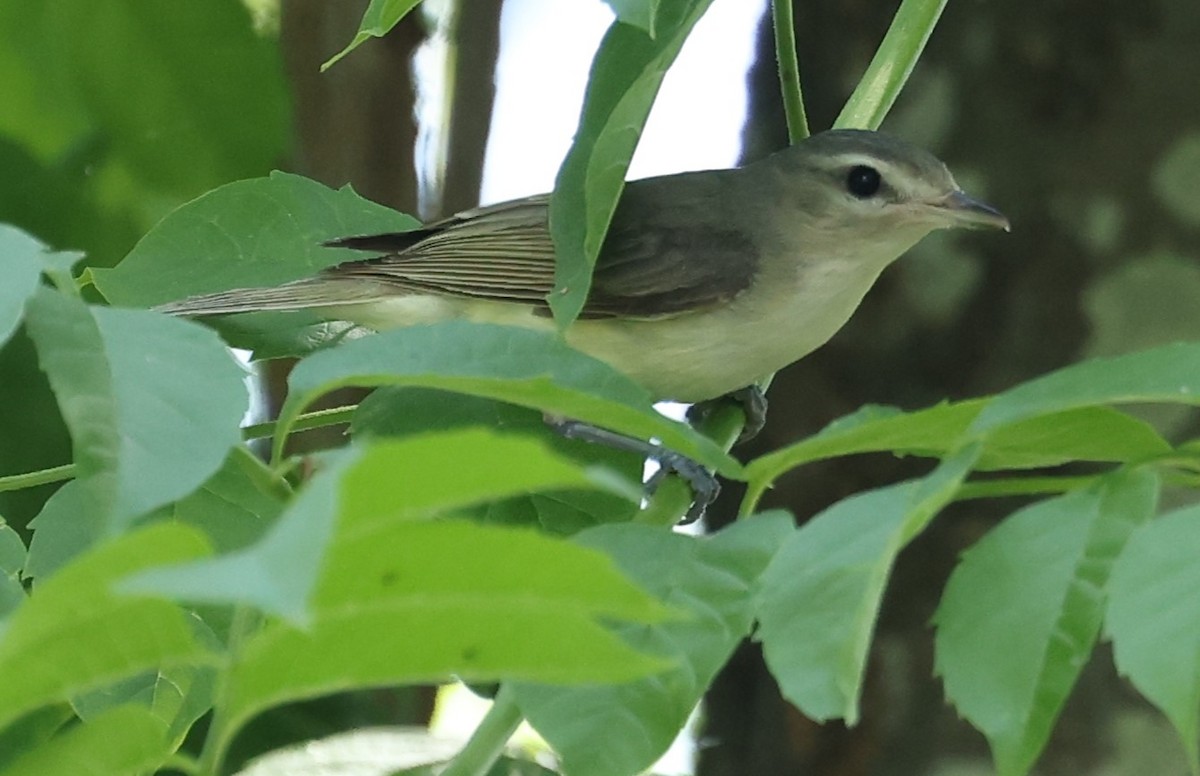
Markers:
{"x": 259, "y": 232}
{"x": 1166, "y": 374}
{"x": 124, "y": 741}
{"x": 12, "y": 560}
{"x": 409, "y": 411}
{"x": 892, "y": 64}
{"x": 522, "y": 366}
{"x": 177, "y": 695}
{"x": 624, "y": 727}
{"x": 235, "y": 506}
{"x": 626, "y": 74}
{"x": 1153, "y": 619}
{"x": 123, "y": 110}
{"x": 638, "y": 13}
{"x": 74, "y": 633}
{"x": 388, "y": 480}
{"x": 380, "y": 17}
{"x": 1086, "y": 433}
{"x": 418, "y": 601}
{"x": 69, "y": 523}
{"x": 821, "y": 594}
{"x": 153, "y": 403}
{"x": 1021, "y": 612}
{"x": 20, "y": 258}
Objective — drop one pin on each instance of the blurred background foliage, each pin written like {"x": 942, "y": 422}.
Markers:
{"x": 1081, "y": 120}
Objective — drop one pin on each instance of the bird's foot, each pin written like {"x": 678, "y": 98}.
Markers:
{"x": 702, "y": 482}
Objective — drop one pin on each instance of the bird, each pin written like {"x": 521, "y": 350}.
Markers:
{"x": 706, "y": 281}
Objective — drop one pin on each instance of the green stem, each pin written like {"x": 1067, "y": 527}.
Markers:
{"x": 309, "y": 420}
{"x": 315, "y": 419}
{"x": 789, "y": 70}
{"x": 1021, "y": 486}
{"x": 40, "y": 477}
{"x": 487, "y": 743}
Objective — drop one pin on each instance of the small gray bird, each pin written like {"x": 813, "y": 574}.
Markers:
{"x": 706, "y": 283}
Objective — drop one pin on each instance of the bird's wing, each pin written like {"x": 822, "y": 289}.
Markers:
{"x": 659, "y": 257}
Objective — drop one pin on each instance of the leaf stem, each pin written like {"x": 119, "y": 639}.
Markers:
{"x": 789, "y": 69}
{"x": 1022, "y": 486}
{"x": 315, "y": 419}
{"x": 40, "y": 477}
{"x": 487, "y": 743}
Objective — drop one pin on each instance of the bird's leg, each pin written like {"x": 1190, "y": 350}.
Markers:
{"x": 753, "y": 403}
{"x": 703, "y": 483}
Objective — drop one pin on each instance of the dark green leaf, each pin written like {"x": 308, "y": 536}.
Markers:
{"x": 260, "y": 232}
{"x": 822, "y": 592}
{"x": 1153, "y": 619}
{"x": 639, "y": 13}
{"x": 1021, "y": 612}
{"x": 625, "y": 76}
{"x": 623, "y": 728}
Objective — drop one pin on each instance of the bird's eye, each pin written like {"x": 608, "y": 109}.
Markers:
{"x": 863, "y": 181}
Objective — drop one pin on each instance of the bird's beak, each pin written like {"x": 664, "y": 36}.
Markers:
{"x": 966, "y": 211}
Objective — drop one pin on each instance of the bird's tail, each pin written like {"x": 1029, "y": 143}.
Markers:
{"x": 298, "y": 295}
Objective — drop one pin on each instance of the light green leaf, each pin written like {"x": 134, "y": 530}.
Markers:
{"x": 1082, "y": 434}
{"x": 409, "y": 411}
{"x": 624, "y": 728}
{"x": 1021, "y": 612}
{"x": 1153, "y": 619}
{"x": 388, "y": 480}
{"x": 821, "y": 594}
{"x": 522, "y": 366}
{"x": 1166, "y": 374}
{"x": 74, "y": 633}
{"x": 626, "y": 74}
{"x": 402, "y": 602}
{"x": 124, "y": 741}
{"x": 380, "y": 17}
{"x": 153, "y": 403}
{"x": 879, "y": 87}
{"x": 259, "y": 232}
{"x": 20, "y": 268}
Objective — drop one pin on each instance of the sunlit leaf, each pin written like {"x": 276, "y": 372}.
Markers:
{"x": 124, "y": 740}
{"x": 74, "y": 633}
